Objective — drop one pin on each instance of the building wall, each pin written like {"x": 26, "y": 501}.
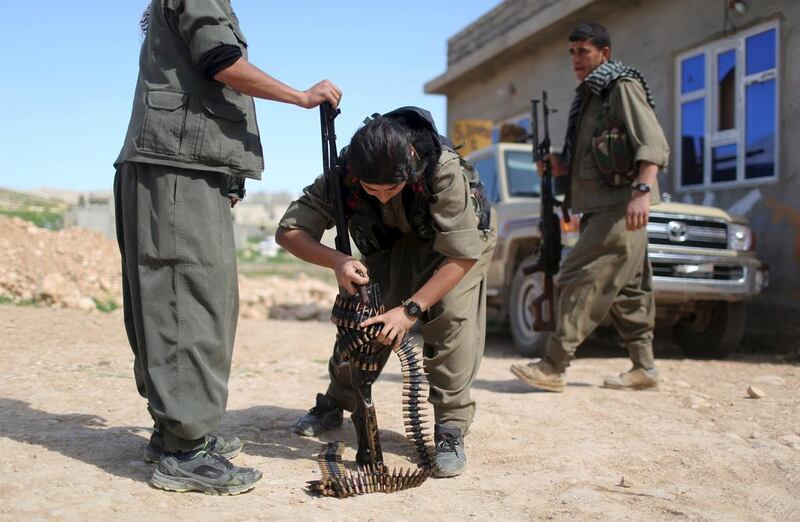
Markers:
{"x": 99, "y": 216}
{"x": 649, "y": 34}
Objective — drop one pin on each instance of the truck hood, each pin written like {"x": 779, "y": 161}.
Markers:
{"x": 697, "y": 210}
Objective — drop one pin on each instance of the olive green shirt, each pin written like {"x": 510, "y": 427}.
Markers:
{"x": 452, "y": 209}
{"x": 628, "y": 104}
{"x": 180, "y": 118}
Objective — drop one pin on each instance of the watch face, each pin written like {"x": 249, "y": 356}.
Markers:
{"x": 413, "y": 309}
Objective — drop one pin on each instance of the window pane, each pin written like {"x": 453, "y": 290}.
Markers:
{"x": 723, "y": 163}
{"x": 760, "y": 130}
{"x": 487, "y": 170}
{"x": 726, "y": 90}
{"x": 760, "y": 52}
{"x": 692, "y": 142}
{"x": 495, "y": 134}
{"x": 693, "y": 73}
{"x": 521, "y": 174}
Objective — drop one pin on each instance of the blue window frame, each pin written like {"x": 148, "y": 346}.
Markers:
{"x": 727, "y": 111}
{"x": 723, "y": 163}
{"x": 693, "y": 73}
{"x": 693, "y": 142}
{"x": 760, "y": 52}
{"x": 760, "y": 130}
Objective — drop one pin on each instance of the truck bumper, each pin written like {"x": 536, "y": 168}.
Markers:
{"x": 681, "y": 278}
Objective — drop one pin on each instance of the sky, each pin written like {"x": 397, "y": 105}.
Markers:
{"x": 68, "y": 84}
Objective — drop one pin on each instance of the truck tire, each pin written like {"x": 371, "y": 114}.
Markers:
{"x": 714, "y": 330}
{"x": 524, "y": 288}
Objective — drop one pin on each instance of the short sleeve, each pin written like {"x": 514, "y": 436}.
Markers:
{"x": 629, "y": 104}
{"x": 310, "y": 213}
{"x": 205, "y": 25}
{"x": 454, "y": 215}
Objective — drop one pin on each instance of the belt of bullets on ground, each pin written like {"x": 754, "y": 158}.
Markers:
{"x": 360, "y": 348}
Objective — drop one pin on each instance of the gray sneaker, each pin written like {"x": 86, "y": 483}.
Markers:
{"x": 202, "y": 470}
{"x": 326, "y": 415}
{"x": 450, "y": 456}
{"x": 228, "y": 447}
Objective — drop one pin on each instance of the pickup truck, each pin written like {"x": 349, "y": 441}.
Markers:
{"x": 703, "y": 259}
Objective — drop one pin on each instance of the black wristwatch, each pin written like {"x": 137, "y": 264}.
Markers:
{"x": 642, "y": 187}
{"x": 412, "y": 309}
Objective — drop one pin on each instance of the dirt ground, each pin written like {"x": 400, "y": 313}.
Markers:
{"x": 72, "y": 431}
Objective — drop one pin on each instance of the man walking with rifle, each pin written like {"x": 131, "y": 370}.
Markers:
{"x": 613, "y": 151}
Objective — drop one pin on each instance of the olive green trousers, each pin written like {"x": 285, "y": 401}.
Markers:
{"x": 607, "y": 273}
{"x": 453, "y": 331}
{"x": 180, "y": 293}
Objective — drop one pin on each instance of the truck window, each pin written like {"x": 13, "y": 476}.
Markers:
{"x": 521, "y": 174}
{"x": 487, "y": 170}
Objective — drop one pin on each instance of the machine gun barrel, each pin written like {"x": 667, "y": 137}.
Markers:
{"x": 333, "y": 173}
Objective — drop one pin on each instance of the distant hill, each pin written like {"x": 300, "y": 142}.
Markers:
{"x": 43, "y": 212}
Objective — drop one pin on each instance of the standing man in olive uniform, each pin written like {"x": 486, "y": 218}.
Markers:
{"x": 417, "y": 214}
{"x": 191, "y": 142}
{"x": 608, "y": 271}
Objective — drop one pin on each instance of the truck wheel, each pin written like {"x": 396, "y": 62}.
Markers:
{"x": 713, "y": 330}
{"x": 524, "y": 288}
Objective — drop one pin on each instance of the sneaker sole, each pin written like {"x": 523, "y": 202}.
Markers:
{"x": 638, "y": 387}
{"x": 537, "y": 385}
{"x": 151, "y": 457}
{"x": 450, "y": 474}
{"x": 185, "y": 485}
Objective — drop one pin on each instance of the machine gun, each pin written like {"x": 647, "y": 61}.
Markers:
{"x": 332, "y": 174}
{"x": 543, "y": 306}
{"x": 358, "y": 357}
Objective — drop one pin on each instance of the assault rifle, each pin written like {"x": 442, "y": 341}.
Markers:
{"x": 543, "y": 306}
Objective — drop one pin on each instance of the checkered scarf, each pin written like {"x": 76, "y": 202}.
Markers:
{"x": 599, "y": 82}
{"x": 144, "y": 21}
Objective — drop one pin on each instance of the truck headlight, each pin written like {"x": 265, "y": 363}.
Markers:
{"x": 740, "y": 237}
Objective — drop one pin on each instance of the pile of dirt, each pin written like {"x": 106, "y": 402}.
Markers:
{"x": 275, "y": 297}
{"x": 72, "y": 268}
{"x": 77, "y": 268}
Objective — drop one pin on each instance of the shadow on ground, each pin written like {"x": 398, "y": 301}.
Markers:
{"x": 605, "y": 343}
{"x": 85, "y": 437}
{"x": 118, "y": 450}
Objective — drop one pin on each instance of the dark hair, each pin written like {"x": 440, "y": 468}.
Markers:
{"x": 380, "y": 153}
{"x": 595, "y": 33}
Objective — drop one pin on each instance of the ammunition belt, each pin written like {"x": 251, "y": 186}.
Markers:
{"x": 360, "y": 348}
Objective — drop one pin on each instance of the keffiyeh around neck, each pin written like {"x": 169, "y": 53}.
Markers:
{"x": 599, "y": 82}
{"x": 144, "y": 21}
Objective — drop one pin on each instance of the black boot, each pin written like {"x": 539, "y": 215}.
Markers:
{"x": 326, "y": 415}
